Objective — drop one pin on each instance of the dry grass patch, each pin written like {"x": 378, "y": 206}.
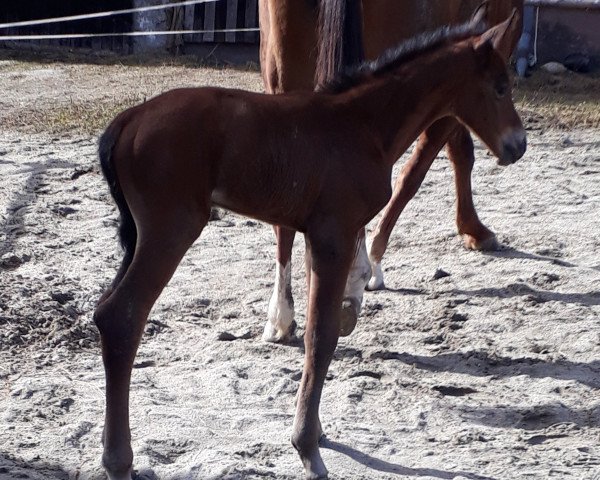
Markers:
{"x": 87, "y": 117}
{"x": 564, "y": 101}
{"x": 98, "y": 85}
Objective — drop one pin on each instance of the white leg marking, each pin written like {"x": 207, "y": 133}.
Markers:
{"x": 376, "y": 281}
{"x": 355, "y": 289}
{"x": 280, "y": 315}
{"x": 359, "y": 274}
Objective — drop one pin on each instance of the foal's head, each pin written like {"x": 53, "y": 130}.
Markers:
{"x": 486, "y": 105}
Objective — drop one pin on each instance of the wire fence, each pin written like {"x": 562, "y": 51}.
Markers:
{"x": 190, "y": 14}
{"x": 191, "y": 21}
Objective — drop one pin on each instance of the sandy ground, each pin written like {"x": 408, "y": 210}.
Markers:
{"x": 492, "y": 372}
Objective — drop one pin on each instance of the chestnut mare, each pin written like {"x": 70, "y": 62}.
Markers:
{"x": 316, "y": 162}
{"x": 290, "y": 32}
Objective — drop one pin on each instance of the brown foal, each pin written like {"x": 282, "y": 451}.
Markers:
{"x": 290, "y": 32}
{"x": 319, "y": 163}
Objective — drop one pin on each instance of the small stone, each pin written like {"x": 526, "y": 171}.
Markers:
{"x": 226, "y": 337}
{"x": 10, "y": 261}
{"x": 566, "y": 142}
{"x": 81, "y": 171}
{"x": 64, "y": 211}
{"x": 66, "y": 403}
{"x": 61, "y": 298}
{"x": 439, "y": 273}
{"x": 554, "y": 67}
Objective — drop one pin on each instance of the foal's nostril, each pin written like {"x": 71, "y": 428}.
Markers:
{"x": 517, "y": 145}
{"x": 509, "y": 155}
{"x": 523, "y": 146}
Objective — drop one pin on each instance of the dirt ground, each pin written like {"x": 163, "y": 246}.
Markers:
{"x": 492, "y": 372}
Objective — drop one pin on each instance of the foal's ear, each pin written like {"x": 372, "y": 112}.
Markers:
{"x": 504, "y": 35}
{"x": 480, "y": 15}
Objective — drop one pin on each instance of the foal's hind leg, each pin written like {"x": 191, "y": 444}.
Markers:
{"x": 407, "y": 184}
{"x": 280, "y": 316}
{"x": 476, "y": 235}
{"x": 331, "y": 259}
{"x": 121, "y": 318}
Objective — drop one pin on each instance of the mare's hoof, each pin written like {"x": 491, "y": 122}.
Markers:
{"x": 350, "y": 309}
{"x": 146, "y": 474}
{"x": 315, "y": 468}
{"x": 316, "y": 476}
{"x": 376, "y": 281}
{"x": 119, "y": 476}
{"x": 488, "y": 244}
{"x": 118, "y": 464}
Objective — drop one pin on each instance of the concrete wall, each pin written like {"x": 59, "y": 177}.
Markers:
{"x": 563, "y": 31}
{"x": 147, "y": 21}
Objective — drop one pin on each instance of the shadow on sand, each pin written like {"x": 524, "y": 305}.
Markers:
{"x": 481, "y": 364}
{"x": 11, "y": 468}
{"x": 387, "y": 467}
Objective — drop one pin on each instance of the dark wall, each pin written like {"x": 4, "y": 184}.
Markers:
{"x": 564, "y": 31}
{"x": 19, "y": 10}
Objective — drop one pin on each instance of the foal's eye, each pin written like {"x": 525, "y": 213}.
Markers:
{"x": 501, "y": 89}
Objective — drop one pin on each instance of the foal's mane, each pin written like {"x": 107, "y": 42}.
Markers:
{"x": 404, "y": 52}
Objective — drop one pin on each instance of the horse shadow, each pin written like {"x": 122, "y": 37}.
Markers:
{"x": 22, "y": 200}
{"x": 392, "y": 468}
{"x": 531, "y": 418}
{"x": 510, "y": 252}
{"x": 481, "y": 364}
{"x": 589, "y": 299}
{"x": 17, "y": 468}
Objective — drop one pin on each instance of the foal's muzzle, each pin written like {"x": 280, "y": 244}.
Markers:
{"x": 514, "y": 145}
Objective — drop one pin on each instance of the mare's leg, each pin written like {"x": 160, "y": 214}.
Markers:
{"x": 121, "y": 317}
{"x": 331, "y": 255}
{"x": 407, "y": 184}
{"x": 358, "y": 277}
{"x": 476, "y": 235}
{"x": 280, "y": 316}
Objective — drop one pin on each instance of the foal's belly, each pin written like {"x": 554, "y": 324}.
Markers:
{"x": 278, "y": 204}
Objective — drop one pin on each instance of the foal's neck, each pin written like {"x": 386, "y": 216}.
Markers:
{"x": 401, "y": 104}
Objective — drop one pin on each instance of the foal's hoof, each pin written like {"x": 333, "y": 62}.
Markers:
{"x": 376, "y": 281}
{"x": 272, "y": 334}
{"x": 349, "y": 317}
{"x": 487, "y": 244}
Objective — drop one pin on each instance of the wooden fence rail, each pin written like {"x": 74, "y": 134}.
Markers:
{"x": 227, "y": 14}
{"x": 586, "y": 4}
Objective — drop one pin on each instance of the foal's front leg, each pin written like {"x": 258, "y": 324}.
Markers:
{"x": 331, "y": 258}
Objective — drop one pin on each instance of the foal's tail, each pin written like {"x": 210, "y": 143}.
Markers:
{"x": 127, "y": 228}
{"x": 340, "y": 38}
